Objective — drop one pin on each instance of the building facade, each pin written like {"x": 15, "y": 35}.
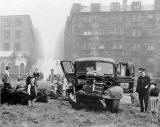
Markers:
{"x": 120, "y": 31}
{"x": 17, "y": 43}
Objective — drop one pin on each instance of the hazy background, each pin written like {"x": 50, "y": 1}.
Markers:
{"x": 49, "y": 16}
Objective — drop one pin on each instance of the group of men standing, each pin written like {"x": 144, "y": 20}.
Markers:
{"x": 7, "y": 88}
{"x": 53, "y": 78}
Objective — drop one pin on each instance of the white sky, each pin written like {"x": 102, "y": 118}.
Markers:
{"x": 48, "y": 16}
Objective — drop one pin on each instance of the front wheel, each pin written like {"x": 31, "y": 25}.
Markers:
{"x": 74, "y": 101}
{"x": 113, "y": 105}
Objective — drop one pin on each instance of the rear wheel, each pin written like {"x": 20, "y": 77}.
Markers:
{"x": 74, "y": 101}
{"x": 113, "y": 105}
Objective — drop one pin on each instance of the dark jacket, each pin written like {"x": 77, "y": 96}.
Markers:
{"x": 142, "y": 83}
{"x": 36, "y": 75}
{"x": 28, "y": 80}
{"x": 154, "y": 92}
{"x": 5, "y": 78}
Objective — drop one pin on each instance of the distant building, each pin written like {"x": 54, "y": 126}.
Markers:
{"x": 119, "y": 31}
{"x": 17, "y": 43}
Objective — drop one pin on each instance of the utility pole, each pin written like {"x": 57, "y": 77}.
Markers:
{"x": 124, "y": 7}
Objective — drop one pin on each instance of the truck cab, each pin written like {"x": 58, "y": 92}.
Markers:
{"x": 98, "y": 81}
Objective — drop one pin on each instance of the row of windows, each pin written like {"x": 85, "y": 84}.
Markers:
{"x": 118, "y": 31}
{"x": 17, "y": 46}
{"x": 7, "y": 22}
{"x": 136, "y": 5}
{"x": 129, "y": 18}
{"x": 117, "y": 44}
{"x": 7, "y": 34}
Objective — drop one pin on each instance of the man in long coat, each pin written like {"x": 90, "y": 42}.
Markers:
{"x": 143, "y": 85}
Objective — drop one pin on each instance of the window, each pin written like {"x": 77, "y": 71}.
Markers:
{"x": 18, "y": 22}
{"x": 150, "y": 16}
{"x": 87, "y": 33}
{"x": 87, "y": 19}
{"x": 91, "y": 45}
{"x": 17, "y": 34}
{"x": 149, "y": 47}
{"x": 117, "y": 44}
{"x": 104, "y": 68}
{"x": 97, "y": 32}
{"x": 117, "y": 19}
{"x": 7, "y": 22}
{"x": 118, "y": 31}
{"x": 18, "y": 46}
{"x": 136, "y": 47}
{"x": 6, "y": 34}
{"x": 136, "y": 5}
{"x": 115, "y": 6}
{"x": 136, "y": 32}
{"x": 101, "y": 47}
{"x": 94, "y": 18}
{"x": 136, "y": 18}
{"x": 6, "y": 46}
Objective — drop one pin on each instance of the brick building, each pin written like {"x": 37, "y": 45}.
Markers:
{"x": 124, "y": 32}
{"x": 17, "y": 43}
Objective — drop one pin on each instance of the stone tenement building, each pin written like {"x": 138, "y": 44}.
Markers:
{"x": 124, "y": 32}
{"x": 17, "y": 43}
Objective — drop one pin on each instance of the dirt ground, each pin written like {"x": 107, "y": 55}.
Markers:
{"x": 59, "y": 113}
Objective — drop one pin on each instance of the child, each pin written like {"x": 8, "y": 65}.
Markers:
{"x": 65, "y": 87}
{"x": 154, "y": 101}
{"x": 32, "y": 91}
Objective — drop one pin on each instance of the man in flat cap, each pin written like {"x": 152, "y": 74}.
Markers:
{"x": 143, "y": 85}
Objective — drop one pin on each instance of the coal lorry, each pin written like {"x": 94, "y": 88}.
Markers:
{"x": 97, "y": 81}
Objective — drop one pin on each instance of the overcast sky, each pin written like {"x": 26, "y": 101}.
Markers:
{"x": 48, "y": 16}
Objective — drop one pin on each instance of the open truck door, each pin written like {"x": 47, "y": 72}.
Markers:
{"x": 68, "y": 70}
{"x": 125, "y": 75}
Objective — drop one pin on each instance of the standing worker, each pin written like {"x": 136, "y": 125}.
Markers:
{"x": 143, "y": 85}
{"x": 36, "y": 75}
{"x": 53, "y": 79}
{"x": 7, "y": 85}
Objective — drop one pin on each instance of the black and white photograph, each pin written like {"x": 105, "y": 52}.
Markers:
{"x": 79, "y": 63}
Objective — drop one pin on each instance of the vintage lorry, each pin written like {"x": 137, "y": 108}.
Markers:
{"x": 98, "y": 81}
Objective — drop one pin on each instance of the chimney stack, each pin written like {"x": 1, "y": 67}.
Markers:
{"x": 157, "y": 4}
{"x": 124, "y": 5}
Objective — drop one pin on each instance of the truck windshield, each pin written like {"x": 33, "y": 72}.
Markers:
{"x": 102, "y": 67}
{"x": 105, "y": 68}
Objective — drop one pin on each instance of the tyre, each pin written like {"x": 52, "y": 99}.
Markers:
{"x": 74, "y": 101}
{"x": 113, "y": 105}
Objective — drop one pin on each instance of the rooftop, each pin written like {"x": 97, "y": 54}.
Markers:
{"x": 106, "y": 8}
{"x": 96, "y": 59}
{"x": 6, "y": 53}
{"x": 13, "y": 16}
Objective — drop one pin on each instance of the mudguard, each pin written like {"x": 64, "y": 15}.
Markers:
{"x": 114, "y": 92}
